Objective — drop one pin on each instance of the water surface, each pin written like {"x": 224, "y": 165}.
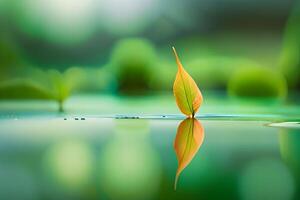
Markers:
{"x": 93, "y": 157}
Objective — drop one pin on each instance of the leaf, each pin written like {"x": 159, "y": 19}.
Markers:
{"x": 189, "y": 138}
{"x": 187, "y": 94}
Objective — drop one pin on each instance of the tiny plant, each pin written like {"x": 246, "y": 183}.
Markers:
{"x": 187, "y": 94}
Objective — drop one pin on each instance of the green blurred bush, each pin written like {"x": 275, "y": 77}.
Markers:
{"x": 132, "y": 63}
{"x": 10, "y": 59}
{"x": 34, "y": 83}
{"x": 210, "y": 72}
{"x": 257, "y": 82}
{"x": 8, "y": 55}
{"x": 23, "y": 89}
{"x": 136, "y": 67}
{"x": 214, "y": 72}
{"x": 92, "y": 80}
{"x": 163, "y": 76}
{"x": 289, "y": 63}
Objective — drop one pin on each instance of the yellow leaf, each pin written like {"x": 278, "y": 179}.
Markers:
{"x": 189, "y": 137}
{"x": 187, "y": 94}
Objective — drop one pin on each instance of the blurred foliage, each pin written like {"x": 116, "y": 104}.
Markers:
{"x": 163, "y": 77}
{"x": 34, "y": 83}
{"x": 214, "y": 72}
{"x": 8, "y": 54}
{"x": 92, "y": 79}
{"x": 137, "y": 67}
{"x": 132, "y": 63}
{"x": 23, "y": 89}
{"x": 290, "y": 57}
{"x": 61, "y": 86}
{"x": 231, "y": 44}
{"x": 289, "y": 140}
{"x": 257, "y": 82}
{"x": 10, "y": 59}
{"x": 209, "y": 72}
{"x": 215, "y": 56}
{"x": 289, "y": 143}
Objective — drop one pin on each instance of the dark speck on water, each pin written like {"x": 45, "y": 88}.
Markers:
{"x": 127, "y": 117}
{"x": 65, "y": 118}
{"x": 76, "y": 118}
{"x": 132, "y": 117}
{"x": 82, "y": 118}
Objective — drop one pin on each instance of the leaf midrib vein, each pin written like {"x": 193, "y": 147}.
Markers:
{"x": 185, "y": 92}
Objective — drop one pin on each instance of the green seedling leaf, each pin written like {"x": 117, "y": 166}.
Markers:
{"x": 187, "y": 94}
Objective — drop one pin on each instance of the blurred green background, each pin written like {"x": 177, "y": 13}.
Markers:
{"x": 52, "y": 49}
{"x": 108, "y": 64}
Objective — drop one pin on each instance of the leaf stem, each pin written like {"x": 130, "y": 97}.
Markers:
{"x": 60, "y": 106}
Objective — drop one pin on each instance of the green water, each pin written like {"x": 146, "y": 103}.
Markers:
{"x": 106, "y": 158}
{"x": 89, "y": 153}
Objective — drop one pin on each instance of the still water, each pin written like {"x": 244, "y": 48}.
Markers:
{"x": 117, "y": 158}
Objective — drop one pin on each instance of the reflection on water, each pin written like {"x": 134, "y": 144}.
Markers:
{"x": 189, "y": 137}
{"x": 289, "y": 140}
{"x": 129, "y": 166}
{"x": 16, "y": 182}
{"x": 266, "y": 178}
{"x": 135, "y": 159}
{"x": 69, "y": 164}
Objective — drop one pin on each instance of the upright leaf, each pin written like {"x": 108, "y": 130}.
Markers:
{"x": 189, "y": 137}
{"x": 187, "y": 94}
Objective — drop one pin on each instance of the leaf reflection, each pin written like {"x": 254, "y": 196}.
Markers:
{"x": 189, "y": 137}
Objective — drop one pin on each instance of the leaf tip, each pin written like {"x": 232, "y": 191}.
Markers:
{"x": 173, "y": 48}
{"x": 176, "y": 57}
{"x": 176, "y": 180}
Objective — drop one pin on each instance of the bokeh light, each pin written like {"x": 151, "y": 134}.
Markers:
{"x": 266, "y": 179}
{"x": 129, "y": 167}
{"x": 56, "y": 20}
{"x": 289, "y": 141}
{"x": 70, "y": 163}
{"x": 121, "y": 17}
